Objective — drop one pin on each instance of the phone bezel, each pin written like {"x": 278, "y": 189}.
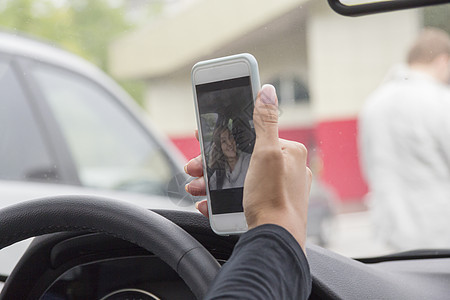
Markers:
{"x": 212, "y": 71}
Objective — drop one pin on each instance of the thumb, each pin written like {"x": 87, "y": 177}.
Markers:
{"x": 265, "y": 115}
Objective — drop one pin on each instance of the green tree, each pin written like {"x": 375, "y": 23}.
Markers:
{"x": 83, "y": 27}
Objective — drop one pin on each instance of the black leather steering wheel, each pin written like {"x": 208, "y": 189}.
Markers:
{"x": 193, "y": 263}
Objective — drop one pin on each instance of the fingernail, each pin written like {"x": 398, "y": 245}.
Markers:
{"x": 185, "y": 169}
{"x": 196, "y": 205}
{"x": 268, "y": 94}
{"x": 186, "y": 188}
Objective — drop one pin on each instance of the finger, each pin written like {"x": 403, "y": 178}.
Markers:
{"x": 194, "y": 167}
{"x": 202, "y": 207}
{"x": 265, "y": 116}
{"x": 196, "y": 134}
{"x": 295, "y": 148}
{"x": 309, "y": 177}
{"x": 293, "y": 145}
{"x": 196, "y": 187}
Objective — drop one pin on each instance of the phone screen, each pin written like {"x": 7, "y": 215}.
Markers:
{"x": 226, "y": 120}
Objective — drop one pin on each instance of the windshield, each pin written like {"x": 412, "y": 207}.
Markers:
{"x": 381, "y": 172}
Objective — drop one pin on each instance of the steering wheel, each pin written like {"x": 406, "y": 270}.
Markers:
{"x": 193, "y": 263}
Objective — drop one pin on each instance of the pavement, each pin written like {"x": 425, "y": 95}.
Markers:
{"x": 353, "y": 236}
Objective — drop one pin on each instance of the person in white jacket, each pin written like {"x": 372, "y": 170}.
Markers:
{"x": 404, "y": 138}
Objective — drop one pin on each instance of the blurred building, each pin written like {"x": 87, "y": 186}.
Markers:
{"x": 322, "y": 64}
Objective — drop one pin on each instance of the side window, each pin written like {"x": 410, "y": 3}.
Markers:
{"x": 23, "y": 153}
{"x": 109, "y": 148}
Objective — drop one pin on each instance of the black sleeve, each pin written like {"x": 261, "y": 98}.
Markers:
{"x": 267, "y": 263}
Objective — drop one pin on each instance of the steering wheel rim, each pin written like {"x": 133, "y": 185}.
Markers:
{"x": 147, "y": 229}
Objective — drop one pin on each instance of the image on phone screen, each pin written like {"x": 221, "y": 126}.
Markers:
{"x": 226, "y": 120}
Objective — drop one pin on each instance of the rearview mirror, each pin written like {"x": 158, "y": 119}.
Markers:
{"x": 355, "y": 8}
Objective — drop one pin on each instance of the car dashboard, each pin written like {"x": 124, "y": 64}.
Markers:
{"x": 85, "y": 265}
{"x": 74, "y": 265}
{"x": 132, "y": 277}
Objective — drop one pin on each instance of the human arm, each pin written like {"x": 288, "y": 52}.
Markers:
{"x": 267, "y": 263}
{"x": 276, "y": 192}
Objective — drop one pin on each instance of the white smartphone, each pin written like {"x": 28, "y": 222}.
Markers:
{"x": 224, "y": 93}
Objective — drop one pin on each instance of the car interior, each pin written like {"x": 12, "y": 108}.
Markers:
{"x": 90, "y": 247}
{"x": 104, "y": 256}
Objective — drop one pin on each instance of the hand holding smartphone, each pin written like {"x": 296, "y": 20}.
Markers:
{"x": 224, "y": 93}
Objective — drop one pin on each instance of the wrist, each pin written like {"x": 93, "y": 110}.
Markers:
{"x": 290, "y": 221}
